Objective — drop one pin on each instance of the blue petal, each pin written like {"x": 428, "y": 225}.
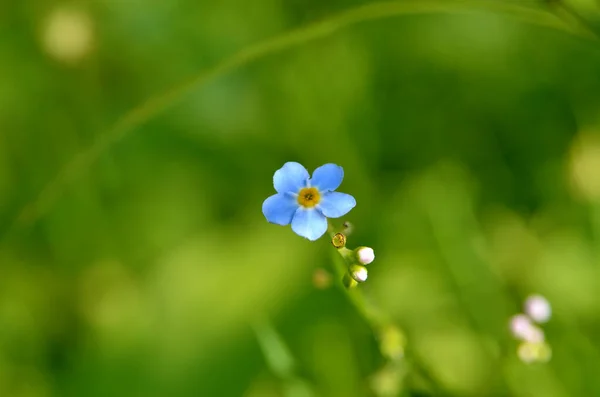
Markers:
{"x": 309, "y": 223}
{"x": 327, "y": 177}
{"x": 280, "y": 208}
{"x": 335, "y": 204}
{"x": 290, "y": 178}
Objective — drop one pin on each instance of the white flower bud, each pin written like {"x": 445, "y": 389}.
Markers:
{"x": 365, "y": 255}
{"x": 538, "y": 308}
{"x": 359, "y": 273}
{"x": 523, "y": 329}
{"x": 519, "y": 324}
{"x": 534, "y": 335}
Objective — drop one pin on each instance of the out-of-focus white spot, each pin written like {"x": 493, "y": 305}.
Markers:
{"x": 523, "y": 329}
{"x": 538, "y": 308}
{"x": 519, "y": 324}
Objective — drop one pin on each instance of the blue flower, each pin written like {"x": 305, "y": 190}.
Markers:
{"x": 307, "y": 202}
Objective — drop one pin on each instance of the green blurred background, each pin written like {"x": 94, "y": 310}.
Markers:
{"x": 134, "y": 257}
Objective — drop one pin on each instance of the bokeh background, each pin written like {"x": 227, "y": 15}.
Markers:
{"x": 134, "y": 257}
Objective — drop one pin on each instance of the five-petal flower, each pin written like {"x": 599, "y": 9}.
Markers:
{"x": 307, "y": 202}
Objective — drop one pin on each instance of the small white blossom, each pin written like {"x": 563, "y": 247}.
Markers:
{"x": 523, "y": 329}
{"x": 359, "y": 273}
{"x": 519, "y": 324}
{"x": 365, "y": 255}
{"x": 538, "y": 308}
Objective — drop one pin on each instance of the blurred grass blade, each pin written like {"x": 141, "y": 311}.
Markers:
{"x": 287, "y": 40}
{"x": 280, "y": 359}
{"x": 276, "y": 353}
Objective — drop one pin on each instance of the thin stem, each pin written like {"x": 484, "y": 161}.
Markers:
{"x": 82, "y": 161}
{"x": 377, "y": 320}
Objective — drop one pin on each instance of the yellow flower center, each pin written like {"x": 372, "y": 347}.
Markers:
{"x": 309, "y": 197}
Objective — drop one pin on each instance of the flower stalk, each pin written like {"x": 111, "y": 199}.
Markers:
{"x": 391, "y": 339}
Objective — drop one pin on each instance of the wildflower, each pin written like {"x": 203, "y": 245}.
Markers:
{"x": 523, "y": 329}
{"x": 533, "y": 346}
{"x": 365, "y": 255}
{"x": 538, "y": 308}
{"x": 307, "y": 202}
{"x": 519, "y": 324}
{"x": 359, "y": 273}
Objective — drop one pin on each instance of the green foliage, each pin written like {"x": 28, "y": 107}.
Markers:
{"x": 138, "y": 141}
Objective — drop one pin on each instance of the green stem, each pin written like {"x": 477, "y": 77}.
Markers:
{"x": 377, "y": 320}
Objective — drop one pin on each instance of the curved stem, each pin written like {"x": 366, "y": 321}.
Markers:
{"x": 36, "y": 208}
{"x": 377, "y": 320}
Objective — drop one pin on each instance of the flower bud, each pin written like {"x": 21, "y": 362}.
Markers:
{"x": 365, "y": 255}
{"x": 538, "y": 308}
{"x": 348, "y": 281}
{"x": 534, "y": 335}
{"x": 523, "y": 329}
{"x": 358, "y": 273}
{"x": 339, "y": 240}
{"x": 519, "y": 325}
